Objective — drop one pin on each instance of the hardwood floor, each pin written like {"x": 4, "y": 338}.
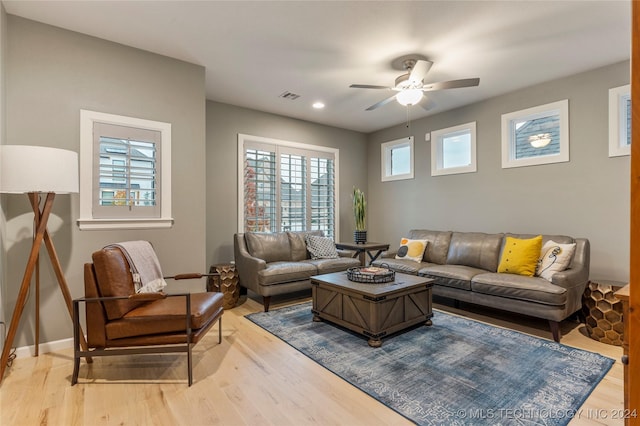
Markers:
{"x": 252, "y": 378}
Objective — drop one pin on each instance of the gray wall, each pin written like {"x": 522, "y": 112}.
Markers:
{"x": 51, "y": 75}
{"x": 586, "y": 197}
{"x": 224, "y": 122}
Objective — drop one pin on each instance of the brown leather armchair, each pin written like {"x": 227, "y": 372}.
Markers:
{"x": 121, "y": 322}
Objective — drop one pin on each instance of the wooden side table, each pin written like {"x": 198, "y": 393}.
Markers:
{"x": 226, "y": 282}
{"x": 603, "y": 311}
{"x": 373, "y": 250}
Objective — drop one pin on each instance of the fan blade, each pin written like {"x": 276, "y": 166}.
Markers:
{"x": 368, "y": 86}
{"x": 453, "y": 84}
{"x": 419, "y": 71}
{"x": 382, "y": 102}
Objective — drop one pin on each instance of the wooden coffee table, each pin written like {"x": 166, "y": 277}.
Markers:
{"x": 373, "y": 310}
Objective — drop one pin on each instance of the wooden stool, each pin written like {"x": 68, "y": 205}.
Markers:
{"x": 603, "y": 312}
{"x": 226, "y": 283}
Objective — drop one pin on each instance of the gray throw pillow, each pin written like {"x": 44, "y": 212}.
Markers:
{"x": 321, "y": 247}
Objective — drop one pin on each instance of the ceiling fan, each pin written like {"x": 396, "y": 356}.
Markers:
{"x": 410, "y": 86}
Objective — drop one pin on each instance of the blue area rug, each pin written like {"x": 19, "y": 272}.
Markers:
{"x": 456, "y": 372}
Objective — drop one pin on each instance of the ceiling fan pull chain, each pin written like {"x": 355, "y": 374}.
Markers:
{"x": 408, "y": 126}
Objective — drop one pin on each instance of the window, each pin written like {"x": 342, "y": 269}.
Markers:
{"x": 453, "y": 150}
{"x": 538, "y": 135}
{"x": 286, "y": 186}
{"x": 397, "y": 159}
{"x": 125, "y": 172}
{"x": 620, "y": 121}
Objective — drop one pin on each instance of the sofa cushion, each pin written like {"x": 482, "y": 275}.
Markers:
{"x": 520, "y": 256}
{"x": 298, "y": 245}
{"x": 554, "y": 257}
{"x": 531, "y": 289}
{"x": 457, "y": 276}
{"x": 270, "y": 247}
{"x": 401, "y": 265}
{"x": 475, "y": 249}
{"x": 438, "y": 246}
{"x": 284, "y": 272}
{"x": 165, "y": 316}
{"x": 321, "y": 247}
{"x": 328, "y": 266}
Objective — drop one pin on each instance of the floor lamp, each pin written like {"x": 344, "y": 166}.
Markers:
{"x": 35, "y": 170}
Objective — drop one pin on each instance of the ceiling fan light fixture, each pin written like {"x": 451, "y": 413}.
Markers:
{"x": 409, "y": 96}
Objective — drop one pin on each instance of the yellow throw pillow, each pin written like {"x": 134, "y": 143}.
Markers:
{"x": 413, "y": 249}
{"x": 520, "y": 256}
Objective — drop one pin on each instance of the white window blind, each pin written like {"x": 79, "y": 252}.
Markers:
{"x": 287, "y": 187}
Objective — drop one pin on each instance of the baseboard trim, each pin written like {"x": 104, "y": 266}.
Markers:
{"x": 45, "y": 347}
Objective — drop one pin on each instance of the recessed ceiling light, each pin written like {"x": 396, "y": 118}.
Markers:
{"x": 318, "y": 105}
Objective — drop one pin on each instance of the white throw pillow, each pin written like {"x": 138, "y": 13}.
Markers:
{"x": 411, "y": 249}
{"x": 321, "y": 247}
{"x": 554, "y": 257}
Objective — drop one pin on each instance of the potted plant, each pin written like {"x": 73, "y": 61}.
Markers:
{"x": 359, "y": 212}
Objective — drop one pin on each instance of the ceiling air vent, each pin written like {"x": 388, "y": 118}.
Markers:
{"x": 289, "y": 95}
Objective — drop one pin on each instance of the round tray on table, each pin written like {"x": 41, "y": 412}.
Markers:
{"x": 370, "y": 275}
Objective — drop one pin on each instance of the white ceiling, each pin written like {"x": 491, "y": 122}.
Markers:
{"x": 254, "y": 51}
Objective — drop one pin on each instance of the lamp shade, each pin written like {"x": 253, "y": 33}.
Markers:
{"x": 409, "y": 96}
{"x": 25, "y": 168}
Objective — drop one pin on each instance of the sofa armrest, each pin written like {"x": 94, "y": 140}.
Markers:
{"x": 389, "y": 254}
{"x": 570, "y": 278}
{"x": 246, "y": 265}
{"x": 577, "y": 275}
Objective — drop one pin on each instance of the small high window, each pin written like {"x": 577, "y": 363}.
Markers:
{"x": 397, "y": 159}
{"x": 620, "y": 121}
{"x": 125, "y": 172}
{"x": 453, "y": 150}
{"x": 538, "y": 135}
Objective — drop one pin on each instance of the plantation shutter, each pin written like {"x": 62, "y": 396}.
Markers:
{"x": 288, "y": 189}
{"x": 323, "y": 201}
{"x": 260, "y": 188}
{"x": 126, "y": 171}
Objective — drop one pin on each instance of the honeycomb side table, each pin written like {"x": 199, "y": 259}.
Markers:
{"x": 603, "y": 311}
{"x": 226, "y": 283}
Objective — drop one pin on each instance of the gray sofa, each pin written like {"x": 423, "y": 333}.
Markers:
{"x": 277, "y": 263}
{"x": 464, "y": 265}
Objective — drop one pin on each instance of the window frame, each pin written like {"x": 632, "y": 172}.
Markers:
{"x": 561, "y": 108}
{"x": 618, "y": 127}
{"x": 290, "y": 147}
{"x": 87, "y": 221}
{"x": 386, "y": 149}
{"x": 437, "y": 150}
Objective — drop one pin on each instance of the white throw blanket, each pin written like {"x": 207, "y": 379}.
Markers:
{"x": 144, "y": 264}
